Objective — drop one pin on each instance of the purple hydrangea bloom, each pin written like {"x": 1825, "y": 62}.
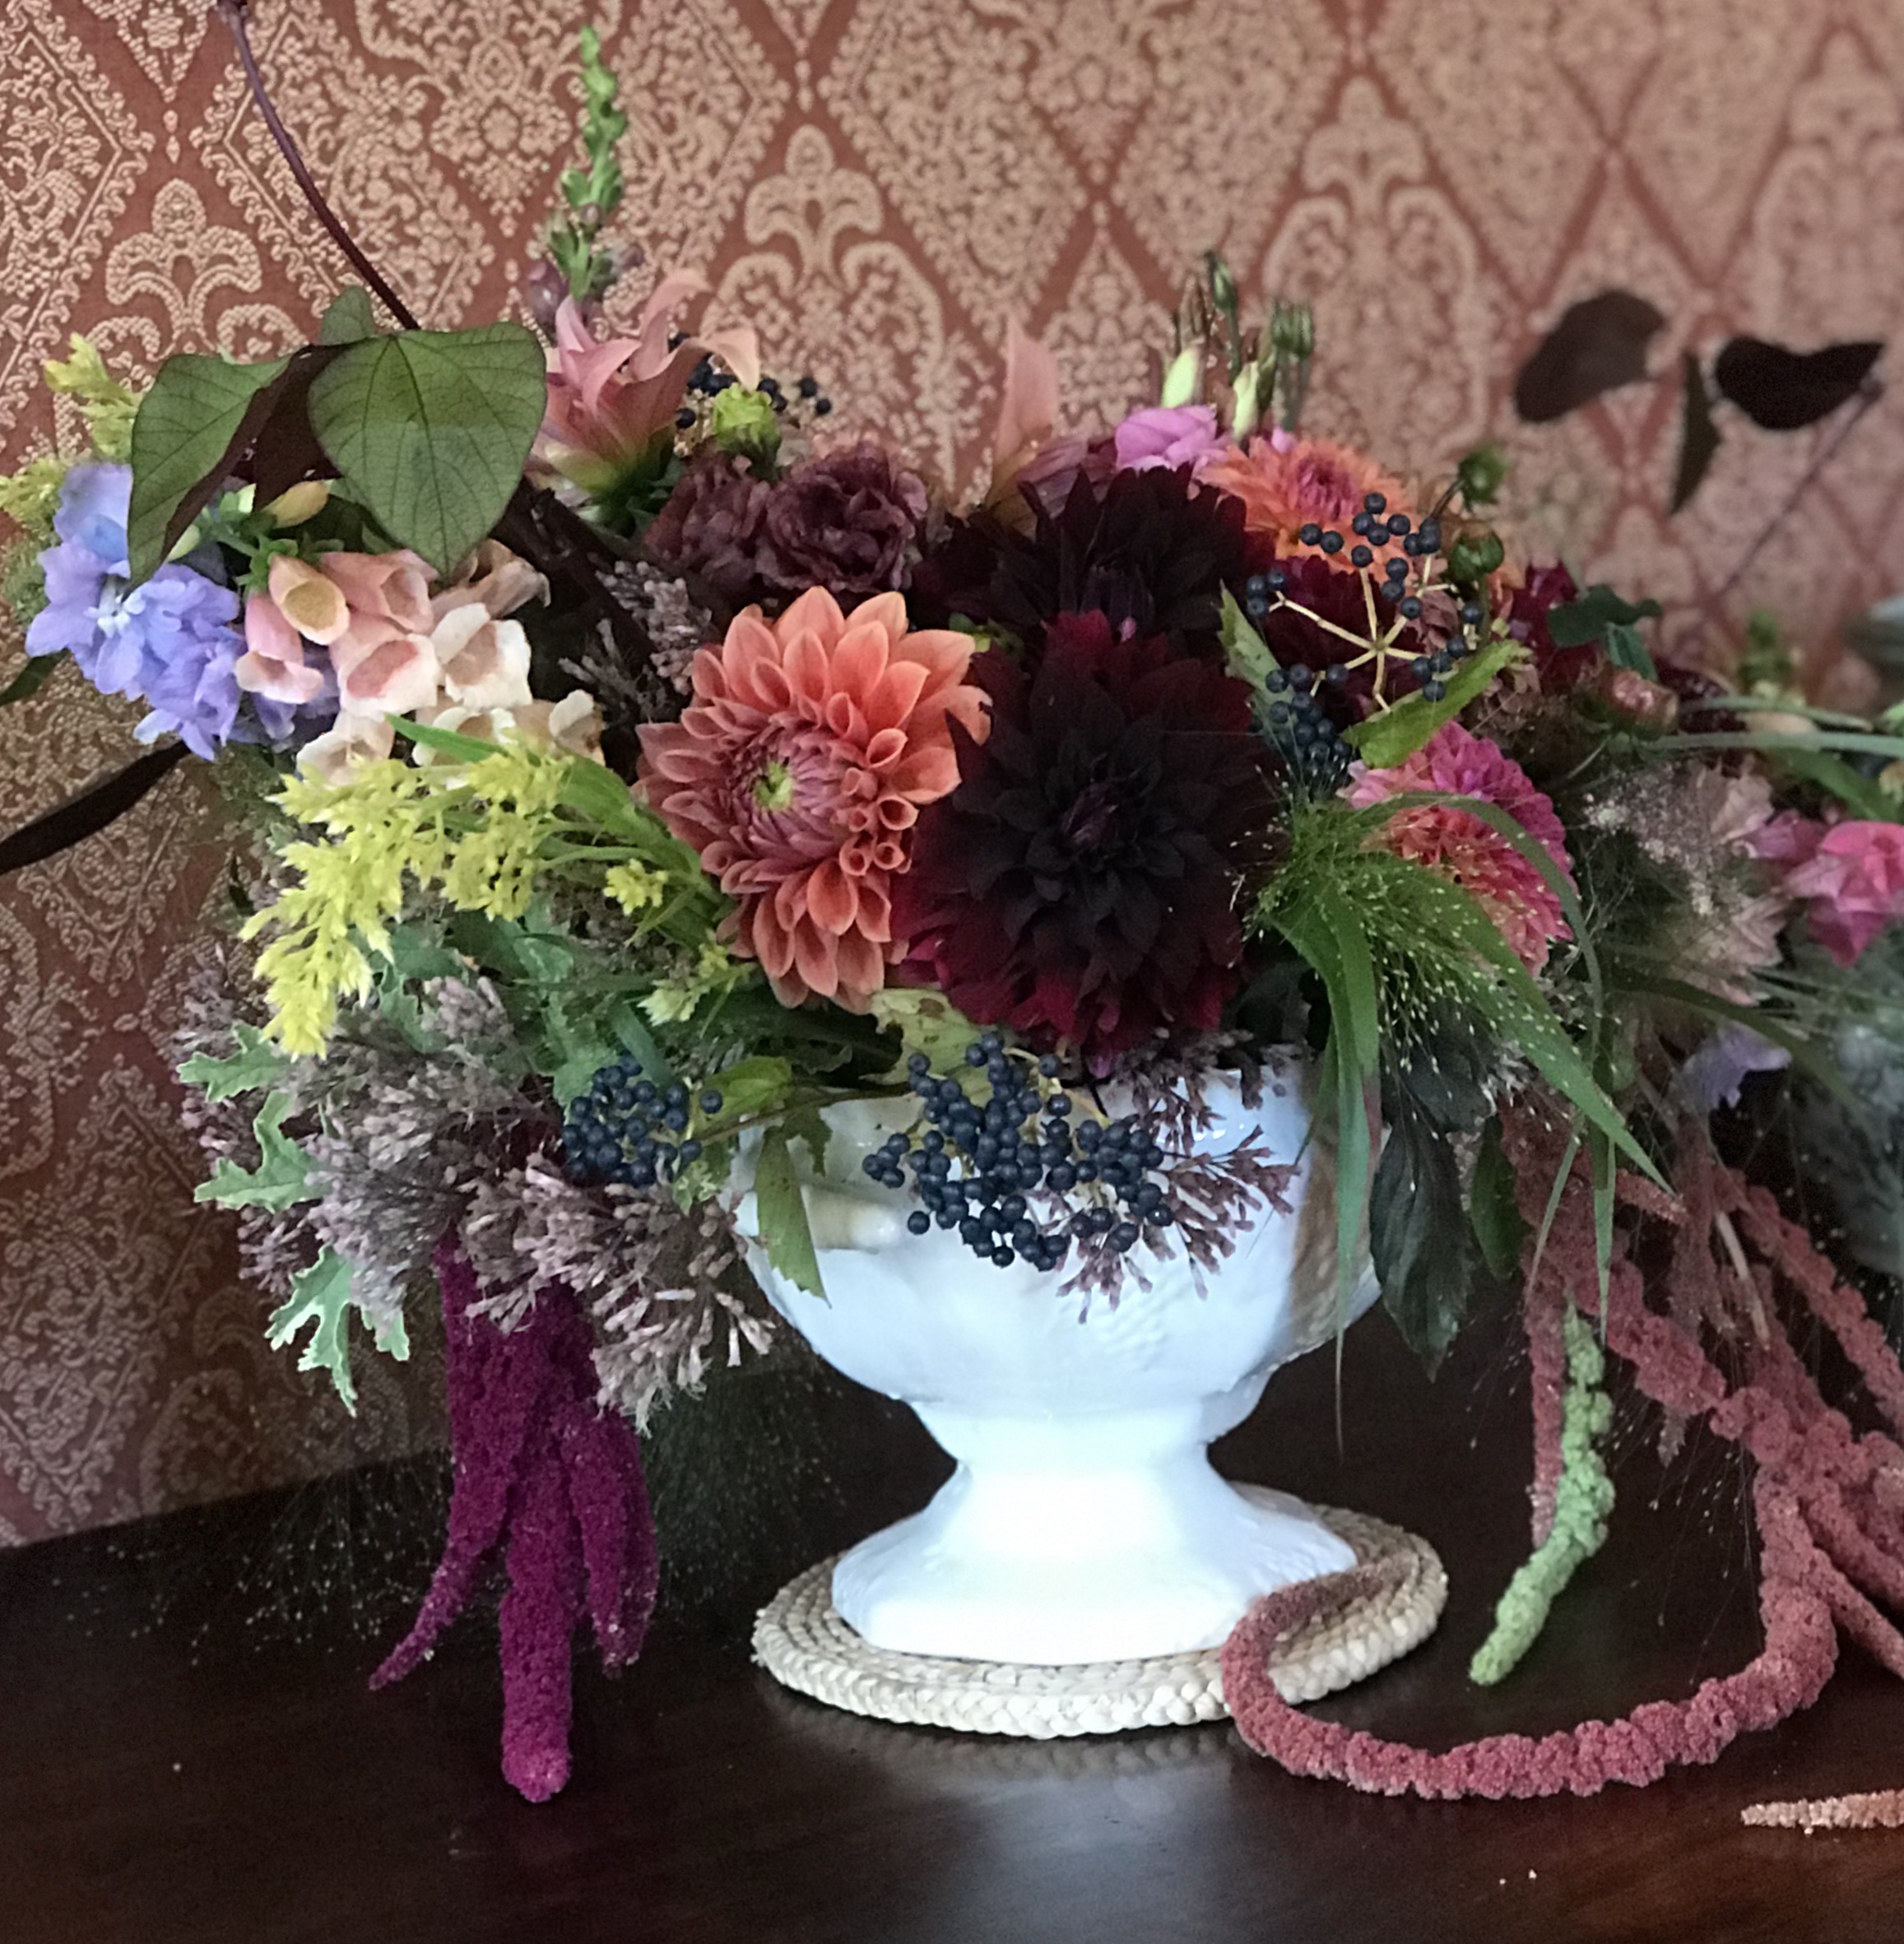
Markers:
{"x": 1718, "y": 1070}
{"x": 172, "y": 642}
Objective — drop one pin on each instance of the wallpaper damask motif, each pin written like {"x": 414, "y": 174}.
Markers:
{"x": 879, "y": 184}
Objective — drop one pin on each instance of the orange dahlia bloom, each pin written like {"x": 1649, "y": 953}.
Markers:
{"x": 798, "y": 772}
{"x": 1286, "y": 482}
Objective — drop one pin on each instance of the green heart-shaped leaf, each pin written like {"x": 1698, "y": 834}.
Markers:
{"x": 195, "y": 421}
{"x": 430, "y": 430}
{"x": 348, "y": 319}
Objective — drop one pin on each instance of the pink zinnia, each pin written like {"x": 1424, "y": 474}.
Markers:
{"x": 798, "y": 772}
{"x": 1460, "y": 846}
{"x": 1851, "y": 875}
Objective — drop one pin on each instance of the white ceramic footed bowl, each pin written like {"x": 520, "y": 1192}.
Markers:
{"x": 1084, "y": 1522}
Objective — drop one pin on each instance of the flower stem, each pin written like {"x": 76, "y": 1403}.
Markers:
{"x": 233, "y": 14}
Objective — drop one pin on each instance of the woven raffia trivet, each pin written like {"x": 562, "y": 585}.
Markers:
{"x": 804, "y": 1644}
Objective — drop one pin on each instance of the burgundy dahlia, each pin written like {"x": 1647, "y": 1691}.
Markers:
{"x": 712, "y": 525}
{"x": 845, "y": 522}
{"x": 1080, "y": 885}
{"x": 1151, "y": 550}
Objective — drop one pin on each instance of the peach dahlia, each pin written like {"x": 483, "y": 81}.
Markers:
{"x": 798, "y": 771}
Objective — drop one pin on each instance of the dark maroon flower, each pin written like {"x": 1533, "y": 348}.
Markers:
{"x": 1544, "y": 589}
{"x": 845, "y": 522}
{"x": 1149, "y": 550}
{"x": 712, "y": 525}
{"x": 1080, "y": 885}
{"x": 1329, "y": 621}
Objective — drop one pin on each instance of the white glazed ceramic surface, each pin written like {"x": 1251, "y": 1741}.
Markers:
{"x": 1084, "y": 1522}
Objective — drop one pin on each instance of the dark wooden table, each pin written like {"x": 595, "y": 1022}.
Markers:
{"x": 177, "y": 1762}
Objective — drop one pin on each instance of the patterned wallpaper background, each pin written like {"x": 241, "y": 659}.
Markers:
{"x": 879, "y": 184}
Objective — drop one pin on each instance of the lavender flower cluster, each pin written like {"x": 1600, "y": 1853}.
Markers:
{"x": 173, "y": 642}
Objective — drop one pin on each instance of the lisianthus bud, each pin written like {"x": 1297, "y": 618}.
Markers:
{"x": 1248, "y": 409}
{"x": 1480, "y": 475}
{"x": 1180, "y": 377}
{"x": 1292, "y": 331}
{"x": 1223, "y": 291}
{"x": 300, "y": 502}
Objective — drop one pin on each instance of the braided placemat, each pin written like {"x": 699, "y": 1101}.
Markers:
{"x": 805, "y": 1645}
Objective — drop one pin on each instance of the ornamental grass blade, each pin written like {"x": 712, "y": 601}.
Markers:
{"x": 1394, "y": 735}
{"x": 431, "y": 430}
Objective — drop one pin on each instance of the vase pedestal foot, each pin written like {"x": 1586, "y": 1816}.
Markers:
{"x": 800, "y": 1638}
{"x": 1078, "y": 1565}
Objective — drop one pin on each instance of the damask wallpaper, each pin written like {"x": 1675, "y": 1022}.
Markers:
{"x": 879, "y": 184}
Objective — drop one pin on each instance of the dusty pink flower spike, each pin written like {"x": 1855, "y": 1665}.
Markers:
{"x": 798, "y": 772}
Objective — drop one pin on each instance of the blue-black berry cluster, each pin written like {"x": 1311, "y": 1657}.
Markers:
{"x": 1374, "y": 528}
{"x": 627, "y": 1129}
{"x": 974, "y": 1168}
{"x": 1302, "y": 733}
{"x": 708, "y": 381}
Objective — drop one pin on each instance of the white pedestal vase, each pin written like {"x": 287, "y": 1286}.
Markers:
{"x": 1083, "y": 1523}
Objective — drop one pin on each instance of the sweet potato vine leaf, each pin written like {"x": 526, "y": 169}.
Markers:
{"x": 430, "y": 430}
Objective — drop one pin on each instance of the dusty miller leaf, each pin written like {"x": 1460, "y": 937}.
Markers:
{"x": 280, "y": 1181}
{"x": 251, "y": 1069}
{"x": 321, "y": 1297}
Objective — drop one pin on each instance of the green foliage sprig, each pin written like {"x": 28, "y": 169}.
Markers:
{"x": 592, "y": 193}
{"x": 1583, "y": 1501}
{"x": 487, "y": 830}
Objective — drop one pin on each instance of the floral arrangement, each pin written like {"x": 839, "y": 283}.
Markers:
{"x": 633, "y": 772}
